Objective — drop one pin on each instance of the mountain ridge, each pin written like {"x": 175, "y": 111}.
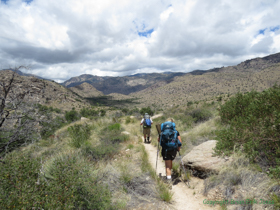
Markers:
{"x": 123, "y": 85}
{"x": 127, "y": 85}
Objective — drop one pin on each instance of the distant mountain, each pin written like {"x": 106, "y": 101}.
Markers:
{"x": 257, "y": 74}
{"x": 123, "y": 85}
{"x": 86, "y": 90}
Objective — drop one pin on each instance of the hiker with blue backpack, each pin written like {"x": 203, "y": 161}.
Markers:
{"x": 170, "y": 141}
{"x": 147, "y": 124}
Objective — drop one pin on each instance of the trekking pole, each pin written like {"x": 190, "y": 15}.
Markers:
{"x": 184, "y": 168}
{"x": 159, "y": 133}
{"x": 158, "y": 152}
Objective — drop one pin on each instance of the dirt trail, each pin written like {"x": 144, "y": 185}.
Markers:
{"x": 184, "y": 197}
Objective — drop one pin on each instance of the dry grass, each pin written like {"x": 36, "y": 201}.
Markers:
{"x": 241, "y": 181}
{"x": 199, "y": 134}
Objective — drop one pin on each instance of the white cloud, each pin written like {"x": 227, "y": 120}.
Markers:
{"x": 62, "y": 39}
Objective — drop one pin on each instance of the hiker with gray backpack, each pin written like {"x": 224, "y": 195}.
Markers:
{"x": 170, "y": 141}
{"x": 147, "y": 124}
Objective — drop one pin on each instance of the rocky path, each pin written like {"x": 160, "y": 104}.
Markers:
{"x": 184, "y": 197}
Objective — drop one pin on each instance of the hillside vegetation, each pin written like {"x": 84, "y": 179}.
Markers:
{"x": 94, "y": 164}
{"x": 75, "y": 153}
{"x": 258, "y": 74}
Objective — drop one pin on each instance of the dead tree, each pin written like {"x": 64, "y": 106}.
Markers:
{"x": 18, "y": 117}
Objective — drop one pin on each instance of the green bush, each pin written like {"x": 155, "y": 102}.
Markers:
{"x": 102, "y": 112}
{"x": 71, "y": 116}
{"x": 79, "y": 134}
{"x": 49, "y": 127}
{"x": 116, "y": 126}
{"x": 74, "y": 186}
{"x": 253, "y": 121}
{"x": 146, "y": 110}
{"x": 189, "y": 103}
{"x": 200, "y": 115}
{"x": 125, "y": 110}
{"x": 43, "y": 108}
{"x": 128, "y": 120}
{"x": 85, "y": 112}
{"x": 101, "y": 152}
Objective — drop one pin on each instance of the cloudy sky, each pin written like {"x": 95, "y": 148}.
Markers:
{"x": 61, "y": 39}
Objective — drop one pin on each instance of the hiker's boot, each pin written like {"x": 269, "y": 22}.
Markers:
{"x": 169, "y": 183}
{"x": 145, "y": 140}
{"x": 148, "y": 139}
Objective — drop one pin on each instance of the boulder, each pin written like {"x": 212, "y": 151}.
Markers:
{"x": 201, "y": 159}
{"x": 125, "y": 132}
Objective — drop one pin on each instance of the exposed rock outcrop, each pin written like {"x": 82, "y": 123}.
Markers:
{"x": 201, "y": 160}
{"x": 43, "y": 92}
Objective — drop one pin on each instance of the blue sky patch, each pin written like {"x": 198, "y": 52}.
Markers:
{"x": 146, "y": 33}
{"x": 26, "y": 1}
{"x": 273, "y": 29}
{"x": 276, "y": 28}
{"x": 262, "y": 31}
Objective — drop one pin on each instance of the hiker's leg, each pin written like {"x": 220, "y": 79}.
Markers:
{"x": 148, "y": 134}
{"x": 168, "y": 166}
{"x": 145, "y": 133}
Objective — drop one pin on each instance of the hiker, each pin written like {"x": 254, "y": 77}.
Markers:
{"x": 147, "y": 124}
{"x": 169, "y": 150}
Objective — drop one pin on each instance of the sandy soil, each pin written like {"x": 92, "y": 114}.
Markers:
{"x": 184, "y": 197}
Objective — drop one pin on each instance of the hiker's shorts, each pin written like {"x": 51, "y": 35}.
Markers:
{"x": 168, "y": 155}
{"x": 146, "y": 131}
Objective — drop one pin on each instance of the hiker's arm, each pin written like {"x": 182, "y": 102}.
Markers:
{"x": 179, "y": 137}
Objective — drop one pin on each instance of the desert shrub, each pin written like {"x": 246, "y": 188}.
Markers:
{"x": 133, "y": 111}
{"x": 73, "y": 185}
{"x": 100, "y": 152}
{"x": 127, "y": 120}
{"x": 200, "y": 115}
{"x": 186, "y": 120}
{"x": 85, "y": 112}
{"x": 146, "y": 110}
{"x": 44, "y": 108}
{"x": 189, "y": 103}
{"x": 105, "y": 151}
{"x": 50, "y": 126}
{"x": 110, "y": 140}
{"x": 253, "y": 121}
{"x": 79, "y": 134}
{"x": 116, "y": 126}
{"x": 71, "y": 116}
{"x": 125, "y": 110}
{"x": 102, "y": 112}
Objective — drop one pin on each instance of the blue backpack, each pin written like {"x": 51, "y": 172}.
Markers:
{"x": 147, "y": 122}
{"x": 168, "y": 138}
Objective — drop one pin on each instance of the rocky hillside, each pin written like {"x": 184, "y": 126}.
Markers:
{"x": 258, "y": 74}
{"x": 45, "y": 92}
{"x": 123, "y": 85}
{"x": 86, "y": 90}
